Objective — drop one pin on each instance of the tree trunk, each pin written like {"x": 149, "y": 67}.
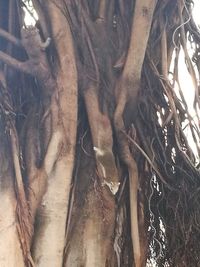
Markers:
{"x": 95, "y": 164}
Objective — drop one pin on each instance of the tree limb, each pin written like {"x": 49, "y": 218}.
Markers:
{"x": 102, "y": 139}
{"x": 41, "y": 13}
{"x": 14, "y": 63}
{"x": 127, "y": 91}
{"x": 11, "y": 38}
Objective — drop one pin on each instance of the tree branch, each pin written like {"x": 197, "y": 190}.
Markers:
{"x": 42, "y": 18}
{"x": 11, "y": 38}
{"x": 141, "y": 25}
{"x": 102, "y": 139}
{"x": 127, "y": 92}
{"x": 12, "y": 62}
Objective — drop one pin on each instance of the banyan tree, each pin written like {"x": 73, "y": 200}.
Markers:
{"x": 99, "y": 148}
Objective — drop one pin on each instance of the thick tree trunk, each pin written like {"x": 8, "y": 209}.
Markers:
{"x": 92, "y": 145}
{"x": 49, "y": 238}
{"x": 10, "y": 246}
{"x": 49, "y": 182}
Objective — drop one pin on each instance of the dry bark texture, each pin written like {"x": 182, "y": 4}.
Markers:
{"x": 96, "y": 169}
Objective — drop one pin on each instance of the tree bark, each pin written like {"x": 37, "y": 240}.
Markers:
{"x": 95, "y": 166}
